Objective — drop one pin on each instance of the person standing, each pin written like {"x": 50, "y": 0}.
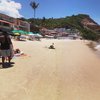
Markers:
{"x": 6, "y": 48}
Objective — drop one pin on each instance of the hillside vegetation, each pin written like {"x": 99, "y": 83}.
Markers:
{"x": 88, "y": 28}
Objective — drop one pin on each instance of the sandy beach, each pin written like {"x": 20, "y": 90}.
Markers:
{"x": 70, "y": 72}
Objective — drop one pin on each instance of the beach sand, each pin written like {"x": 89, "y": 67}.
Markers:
{"x": 70, "y": 72}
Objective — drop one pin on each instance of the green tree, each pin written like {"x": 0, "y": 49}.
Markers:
{"x": 43, "y": 21}
{"x": 34, "y": 5}
{"x": 89, "y": 35}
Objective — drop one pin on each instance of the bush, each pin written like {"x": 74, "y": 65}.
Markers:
{"x": 90, "y": 35}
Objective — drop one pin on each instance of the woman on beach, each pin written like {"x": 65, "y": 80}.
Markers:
{"x": 6, "y": 48}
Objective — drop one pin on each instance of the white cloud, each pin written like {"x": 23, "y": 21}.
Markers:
{"x": 10, "y": 8}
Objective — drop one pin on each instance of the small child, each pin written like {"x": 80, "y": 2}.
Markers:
{"x": 17, "y": 51}
{"x": 52, "y": 46}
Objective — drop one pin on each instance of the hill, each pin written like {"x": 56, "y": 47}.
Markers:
{"x": 88, "y": 28}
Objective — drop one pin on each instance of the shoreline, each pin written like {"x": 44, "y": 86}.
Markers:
{"x": 92, "y": 46}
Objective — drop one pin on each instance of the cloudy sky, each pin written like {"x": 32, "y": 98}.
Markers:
{"x": 10, "y": 8}
{"x": 51, "y": 8}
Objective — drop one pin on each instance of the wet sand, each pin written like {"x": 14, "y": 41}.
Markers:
{"x": 70, "y": 72}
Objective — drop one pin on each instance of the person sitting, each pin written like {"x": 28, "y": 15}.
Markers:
{"x": 52, "y": 46}
{"x": 17, "y": 51}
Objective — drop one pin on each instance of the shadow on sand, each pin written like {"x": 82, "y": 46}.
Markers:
{"x": 6, "y": 65}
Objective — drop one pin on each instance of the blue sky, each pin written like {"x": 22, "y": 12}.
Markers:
{"x": 61, "y": 8}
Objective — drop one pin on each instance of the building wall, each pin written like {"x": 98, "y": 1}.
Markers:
{"x": 15, "y": 23}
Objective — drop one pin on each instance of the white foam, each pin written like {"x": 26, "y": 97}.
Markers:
{"x": 97, "y": 47}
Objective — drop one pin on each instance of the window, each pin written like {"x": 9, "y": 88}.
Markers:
{"x": 6, "y": 24}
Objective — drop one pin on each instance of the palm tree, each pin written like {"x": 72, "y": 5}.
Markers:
{"x": 34, "y": 5}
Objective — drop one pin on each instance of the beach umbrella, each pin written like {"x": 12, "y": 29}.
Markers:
{"x": 38, "y": 35}
{"x": 17, "y": 31}
{"x": 17, "y": 34}
{"x": 25, "y": 33}
{"x": 20, "y": 31}
{"x": 30, "y": 33}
